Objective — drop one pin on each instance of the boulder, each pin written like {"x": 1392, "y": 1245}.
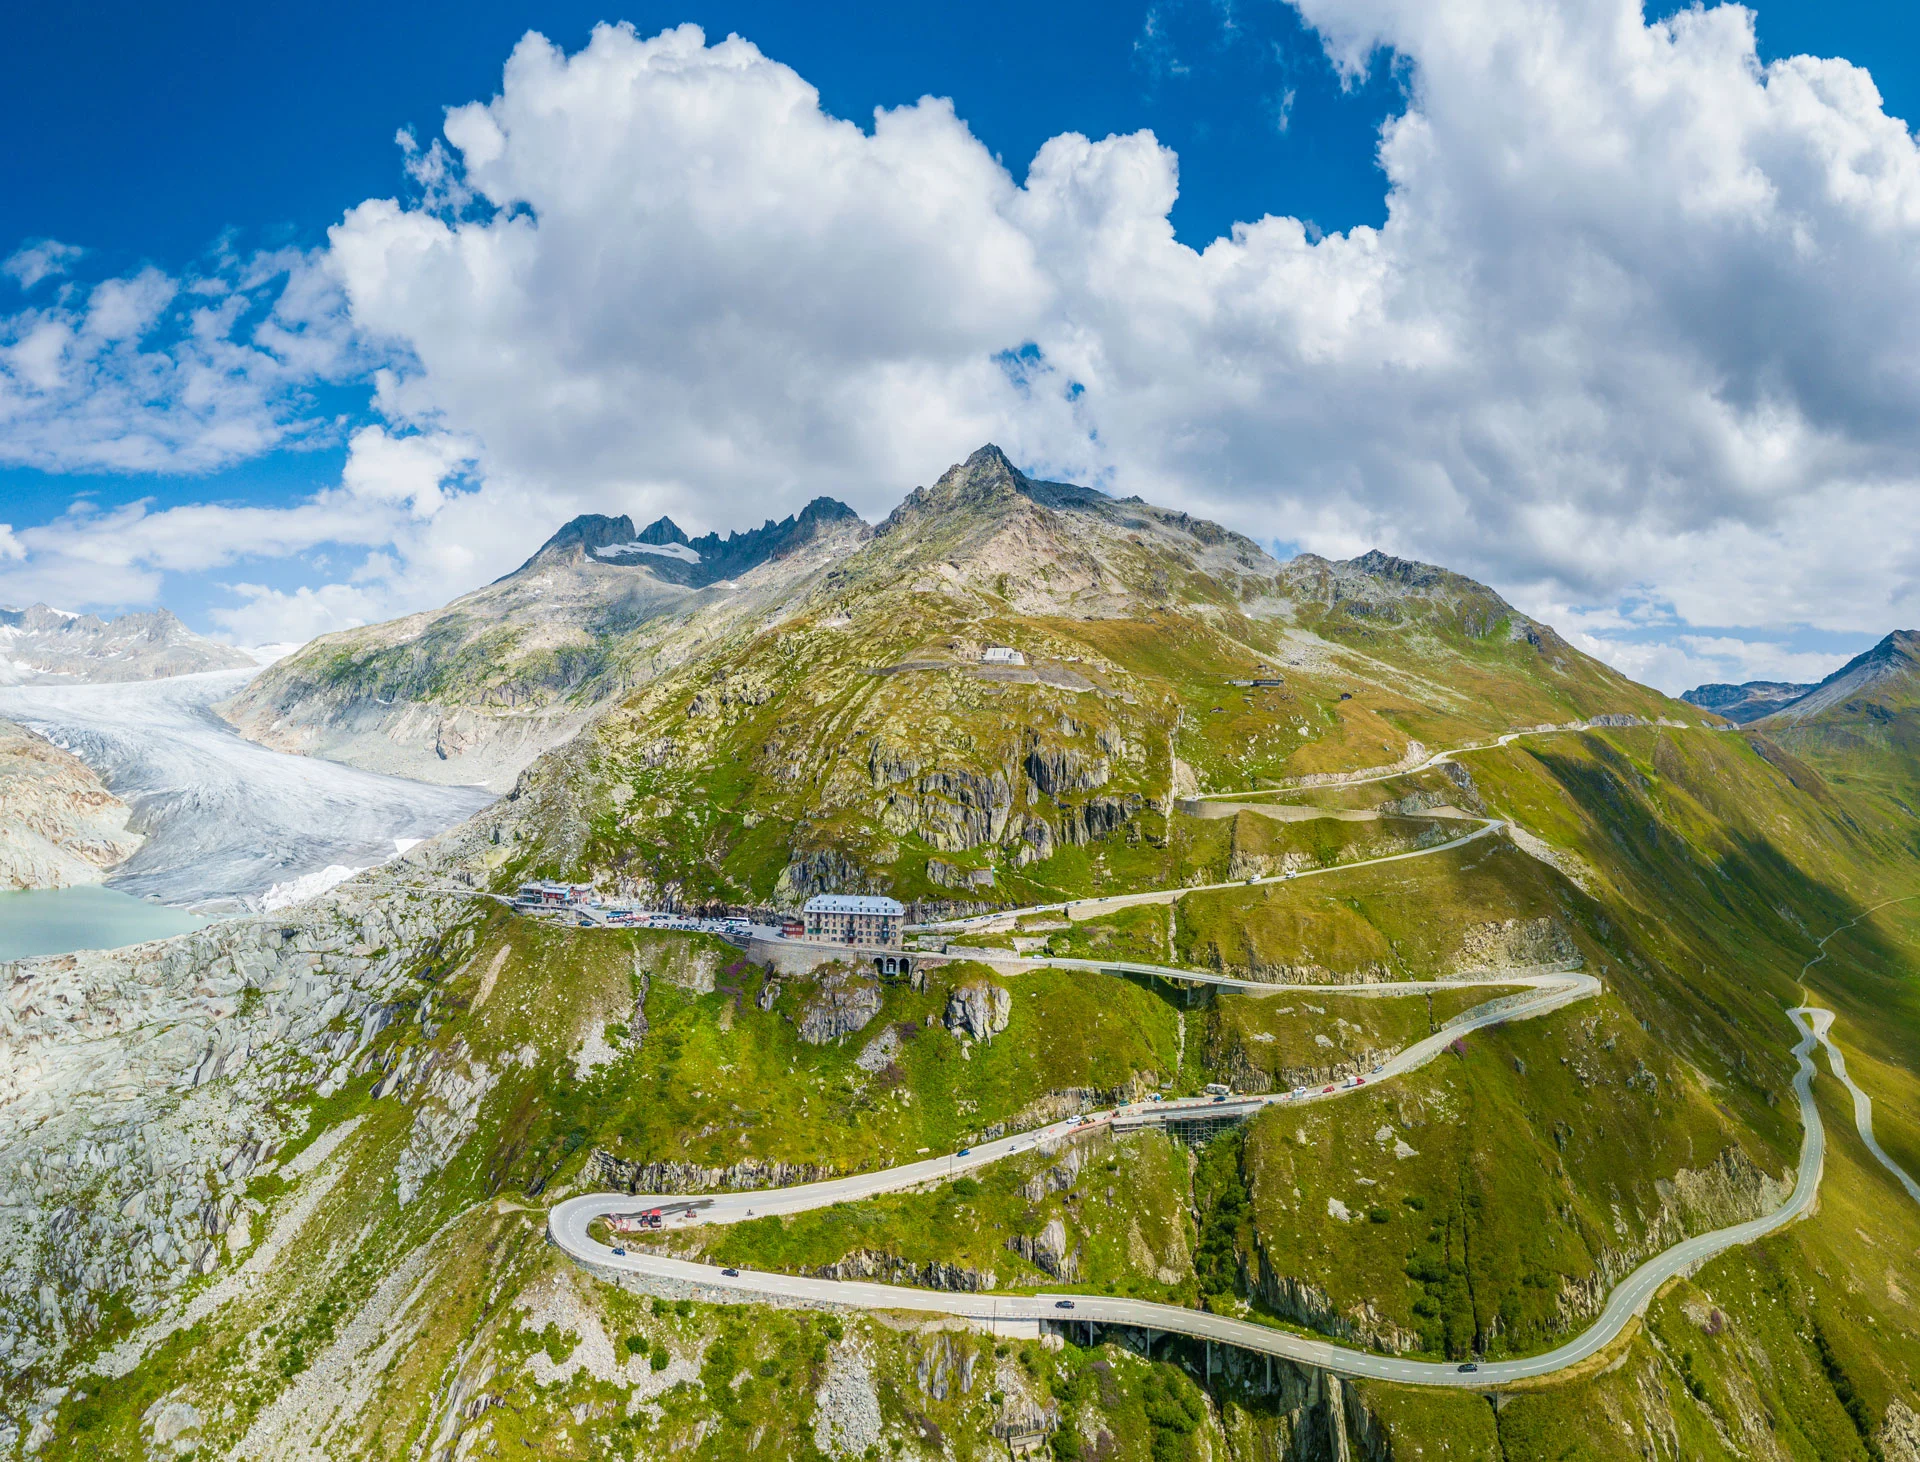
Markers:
{"x": 979, "y": 1007}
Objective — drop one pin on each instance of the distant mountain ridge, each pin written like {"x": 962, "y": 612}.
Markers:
{"x": 1746, "y": 702}
{"x": 1879, "y": 674}
{"x": 1885, "y": 679}
{"x": 665, "y": 551}
{"x": 473, "y": 691}
{"x": 42, "y": 643}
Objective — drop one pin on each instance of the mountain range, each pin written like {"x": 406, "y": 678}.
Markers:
{"x": 474, "y": 692}
{"x": 40, "y": 644}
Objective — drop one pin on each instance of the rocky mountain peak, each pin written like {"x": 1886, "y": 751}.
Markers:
{"x": 1409, "y": 573}
{"x": 578, "y": 537}
{"x": 1878, "y": 682}
{"x": 987, "y": 487}
{"x": 663, "y": 549}
{"x": 661, "y": 530}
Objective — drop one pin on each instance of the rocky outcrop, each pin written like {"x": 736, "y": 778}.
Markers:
{"x": 1097, "y": 818}
{"x": 1517, "y": 942}
{"x": 953, "y": 810}
{"x": 947, "y": 875}
{"x": 445, "y": 1119}
{"x": 822, "y": 870}
{"x": 841, "y": 1002}
{"x": 978, "y": 1008}
{"x": 1305, "y": 1302}
{"x": 1899, "y": 1434}
{"x": 1048, "y": 1250}
{"x": 59, "y": 825}
{"x": 871, "y": 1265}
{"x": 1060, "y": 1178}
{"x": 604, "y": 1170}
{"x": 1056, "y": 769}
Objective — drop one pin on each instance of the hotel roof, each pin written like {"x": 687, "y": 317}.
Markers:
{"x": 853, "y": 903}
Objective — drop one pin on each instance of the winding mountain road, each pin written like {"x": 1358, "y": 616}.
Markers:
{"x": 1862, "y": 1103}
{"x": 1094, "y": 908}
{"x": 569, "y": 1222}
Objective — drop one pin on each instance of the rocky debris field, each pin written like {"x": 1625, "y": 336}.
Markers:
{"x": 141, "y": 1089}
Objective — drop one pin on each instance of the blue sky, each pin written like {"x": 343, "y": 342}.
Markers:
{"x": 215, "y": 150}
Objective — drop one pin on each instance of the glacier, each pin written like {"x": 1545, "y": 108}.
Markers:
{"x": 227, "y": 820}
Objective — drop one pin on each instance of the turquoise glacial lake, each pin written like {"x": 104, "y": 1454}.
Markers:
{"x": 59, "y": 920}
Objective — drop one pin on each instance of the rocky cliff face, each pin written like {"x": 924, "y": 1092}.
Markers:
{"x": 59, "y": 825}
{"x": 836, "y": 1002}
{"x": 979, "y": 1008}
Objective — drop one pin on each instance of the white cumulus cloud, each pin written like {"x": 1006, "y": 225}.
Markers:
{"x": 1634, "y": 342}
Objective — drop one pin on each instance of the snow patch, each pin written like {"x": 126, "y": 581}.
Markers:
{"x": 658, "y": 550}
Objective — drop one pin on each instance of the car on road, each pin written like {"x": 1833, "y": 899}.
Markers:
{"x": 1220, "y": 1099}
{"x": 1063, "y": 1304}
{"x": 621, "y": 1252}
{"x": 964, "y": 1152}
{"x": 731, "y": 1273}
{"x": 1329, "y": 1091}
{"x": 1467, "y": 1365}
{"x": 1299, "y": 1091}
